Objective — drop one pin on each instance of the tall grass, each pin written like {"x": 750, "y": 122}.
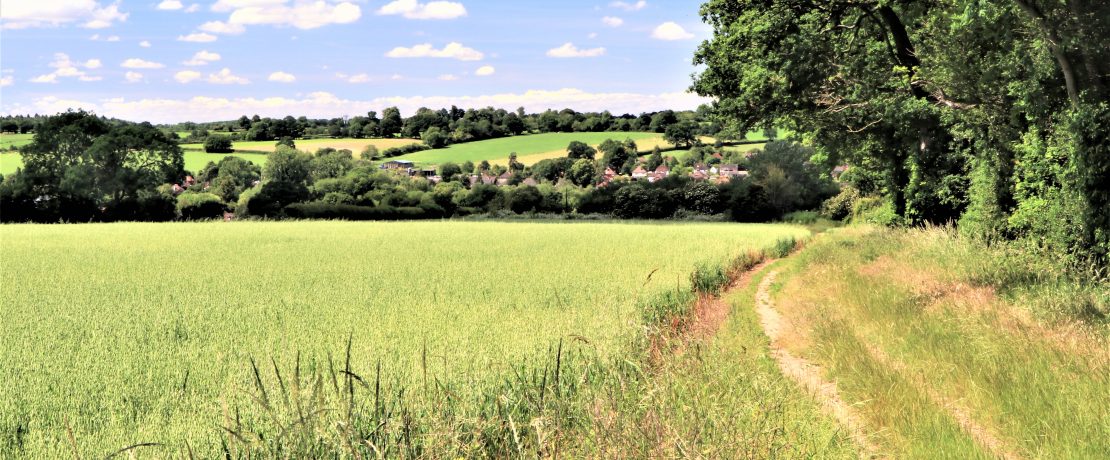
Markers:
{"x": 136, "y": 333}
{"x": 931, "y": 334}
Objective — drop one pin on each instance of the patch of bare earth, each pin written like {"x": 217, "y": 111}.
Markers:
{"x": 807, "y": 374}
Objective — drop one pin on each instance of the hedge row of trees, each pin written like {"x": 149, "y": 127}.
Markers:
{"x": 443, "y": 126}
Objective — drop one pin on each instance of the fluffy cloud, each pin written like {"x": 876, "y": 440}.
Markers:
{"x": 282, "y": 77}
{"x": 192, "y": 8}
{"x": 170, "y": 5}
{"x": 629, "y": 6}
{"x": 325, "y": 105}
{"x": 197, "y": 37}
{"x": 110, "y": 38}
{"x": 453, "y": 50}
{"x": 218, "y": 27}
{"x": 6, "y": 80}
{"x": 133, "y": 77}
{"x": 136, "y": 63}
{"x": 186, "y": 76}
{"x": 225, "y": 77}
{"x": 144, "y": 44}
{"x": 568, "y": 50}
{"x": 485, "y": 71}
{"x": 202, "y": 57}
{"x": 612, "y": 21}
{"x": 670, "y": 31}
{"x": 45, "y": 13}
{"x": 302, "y": 14}
{"x": 412, "y": 9}
{"x": 64, "y": 67}
{"x": 359, "y": 78}
{"x": 447, "y": 77}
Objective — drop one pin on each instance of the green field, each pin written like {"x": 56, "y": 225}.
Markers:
{"x": 133, "y": 333}
{"x": 529, "y": 149}
{"x": 194, "y": 160}
{"x": 8, "y": 141}
{"x": 311, "y": 145}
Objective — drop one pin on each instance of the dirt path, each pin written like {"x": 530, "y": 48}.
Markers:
{"x": 807, "y": 374}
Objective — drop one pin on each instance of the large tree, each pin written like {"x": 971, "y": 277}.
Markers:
{"x": 1009, "y": 94}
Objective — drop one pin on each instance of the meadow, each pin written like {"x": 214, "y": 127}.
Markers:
{"x": 9, "y": 141}
{"x": 529, "y": 148}
{"x": 311, "y": 145}
{"x": 117, "y": 334}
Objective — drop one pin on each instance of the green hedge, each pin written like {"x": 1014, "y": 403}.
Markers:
{"x": 321, "y": 210}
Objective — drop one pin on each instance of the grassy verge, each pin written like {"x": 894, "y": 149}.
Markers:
{"x": 953, "y": 350}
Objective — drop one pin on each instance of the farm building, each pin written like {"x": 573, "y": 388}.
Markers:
{"x": 397, "y": 164}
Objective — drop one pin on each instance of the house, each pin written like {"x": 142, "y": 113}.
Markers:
{"x": 639, "y": 173}
{"x": 838, "y": 171}
{"x": 474, "y": 180}
{"x": 718, "y": 156}
{"x": 702, "y": 167}
{"x": 699, "y": 175}
{"x": 397, "y": 164}
{"x": 609, "y": 174}
{"x": 488, "y": 179}
{"x": 664, "y": 170}
{"x": 530, "y": 181}
{"x": 504, "y": 179}
{"x": 729, "y": 170}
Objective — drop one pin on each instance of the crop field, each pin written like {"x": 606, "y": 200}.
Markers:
{"x": 194, "y": 160}
{"x": 127, "y": 333}
{"x": 529, "y": 149}
{"x": 311, "y": 145}
{"x": 8, "y": 141}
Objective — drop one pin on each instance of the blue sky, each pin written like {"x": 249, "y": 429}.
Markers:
{"x": 169, "y": 60}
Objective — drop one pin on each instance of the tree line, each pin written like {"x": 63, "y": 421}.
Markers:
{"x": 82, "y": 168}
{"x": 993, "y": 114}
{"x": 439, "y": 128}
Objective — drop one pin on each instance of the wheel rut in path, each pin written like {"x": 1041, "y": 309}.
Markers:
{"x": 807, "y": 374}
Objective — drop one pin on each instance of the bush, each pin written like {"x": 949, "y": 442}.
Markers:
{"x": 404, "y": 150}
{"x": 218, "y": 144}
{"x": 840, "y": 206}
{"x": 196, "y": 206}
{"x": 801, "y": 217}
{"x": 875, "y": 210}
{"x": 322, "y": 210}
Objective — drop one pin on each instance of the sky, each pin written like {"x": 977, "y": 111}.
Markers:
{"x": 168, "y": 61}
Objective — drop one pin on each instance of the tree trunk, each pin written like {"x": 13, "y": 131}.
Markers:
{"x": 1055, "y": 44}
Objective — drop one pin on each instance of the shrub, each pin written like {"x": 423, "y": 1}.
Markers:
{"x": 195, "y": 206}
{"x": 404, "y": 150}
{"x": 322, "y": 210}
{"x": 840, "y": 206}
{"x": 218, "y": 144}
{"x": 801, "y": 217}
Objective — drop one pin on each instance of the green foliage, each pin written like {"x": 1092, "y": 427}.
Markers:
{"x": 435, "y": 138}
{"x": 580, "y": 150}
{"x": 840, "y": 206}
{"x": 582, "y": 172}
{"x": 218, "y": 144}
{"x": 197, "y": 206}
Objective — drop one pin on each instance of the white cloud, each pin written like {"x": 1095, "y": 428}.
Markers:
{"x": 186, "y": 76}
{"x": 6, "y": 80}
{"x": 568, "y": 50}
{"x": 112, "y": 38}
{"x": 197, "y": 37}
{"x": 325, "y": 105}
{"x": 144, "y": 44}
{"x": 359, "y": 78}
{"x": 202, "y": 57}
{"x": 133, "y": 77}
{"x": 136, "y": 63}
{"x": 485, "y": 71}
{"x": 64, "y": 67}
{"x": 629, "y": 6}
{"x": 193, "y": 8}
{"x": 670, "y": 31}
{"x": 612, "y": 21}
{"x": 282, "y": 77}
{"x": 453, "y": 50}
{"x": 218, "y": 27}
{"x": 225, "y": 77}
{"x": 21, "y": 14}
{"x": 412, "y": 9}
{"x": 447, "y": 77}
{"x": 302, "y": 14}
{"x": 170, "y": 5}
{"x": 592, "y": 35}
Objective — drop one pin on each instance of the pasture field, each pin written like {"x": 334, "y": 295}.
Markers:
{"x": 194, "y": 160}
{"x": 529, "y": 148}
{"x": 127, "y": 333}
{"x": 311, "y": 145}
{"x": 7, "y": 141}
